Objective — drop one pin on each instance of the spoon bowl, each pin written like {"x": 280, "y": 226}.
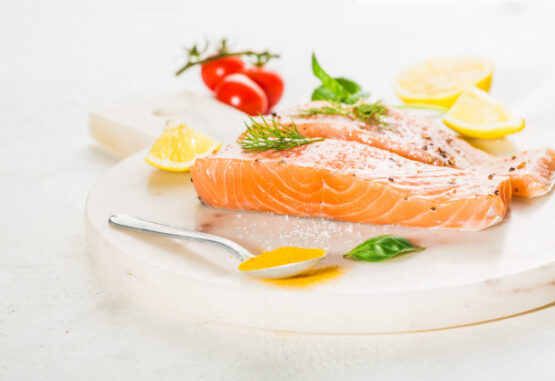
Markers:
{"x": 139, "y": 225}
{"x": 284, "y": 271}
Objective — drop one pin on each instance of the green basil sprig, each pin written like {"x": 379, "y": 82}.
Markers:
{"x": 335, "y": 89}
{"x": 382, "y": 247}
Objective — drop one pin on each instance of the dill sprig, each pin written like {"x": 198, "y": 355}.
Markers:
{"x": 369, "y": 113}
{"x": 264, "y": 136}
{"x": 325, "y": 110}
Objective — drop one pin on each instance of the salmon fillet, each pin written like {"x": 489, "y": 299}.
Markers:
{"x": 350, "y": 181}
{"x": 532, "y": 173}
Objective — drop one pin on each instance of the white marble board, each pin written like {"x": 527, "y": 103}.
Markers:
{"x": 461, "y": 278}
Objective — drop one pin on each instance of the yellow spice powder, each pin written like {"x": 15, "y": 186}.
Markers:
{"x": 281, "y": 256}
{"x": 309, "y": 278}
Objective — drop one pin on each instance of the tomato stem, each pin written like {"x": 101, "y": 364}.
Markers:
{"x": 195, "y": 56}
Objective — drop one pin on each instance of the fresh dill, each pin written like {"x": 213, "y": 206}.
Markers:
{"x": 263, "y": 136}
{"x": 369, "y": 113}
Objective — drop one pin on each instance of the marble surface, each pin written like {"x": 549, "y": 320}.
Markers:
{"x": 133, "y": 125}
{"x": 461, "y": 278}
{"x": 60, "y": 321}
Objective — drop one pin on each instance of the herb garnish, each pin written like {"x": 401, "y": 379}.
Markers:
{"x": 382, "y": 247}
{"x": 335, "y": 89}
{"x": 263, "y": 136}
{"x": 345, "y": 98}
{"x": 199, "y": 56}
{"x": 369, "y": 113}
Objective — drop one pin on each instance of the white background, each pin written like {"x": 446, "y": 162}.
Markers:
{"x": 59, "y": 60}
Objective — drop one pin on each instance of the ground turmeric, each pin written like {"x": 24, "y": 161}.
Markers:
{"x": 309, "y": 278}
{"x": 281, "y": 256}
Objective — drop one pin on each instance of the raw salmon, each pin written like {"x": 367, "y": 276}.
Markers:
{"x": 532, "y": 173}
{"x": 350, "y": 181}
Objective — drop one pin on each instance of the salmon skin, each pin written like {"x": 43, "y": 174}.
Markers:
{"x": 532, "y": 173}
{"x": 351, "y": 181}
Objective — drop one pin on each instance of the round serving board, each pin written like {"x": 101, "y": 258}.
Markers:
{"x": 461, "y": 277}
{"x": 131, "y": 126}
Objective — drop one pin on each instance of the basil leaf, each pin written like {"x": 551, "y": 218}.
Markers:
{"x": 353, "y": 98}
{"x": 327, "y": 81}
{"x": 322, "y": 93}
{"x": 351, "y": 86}
{"x": 381, "y": 248}
{"x": 335, "y": 89}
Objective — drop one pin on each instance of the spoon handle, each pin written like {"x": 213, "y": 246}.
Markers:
{"x": 138, "y": 224}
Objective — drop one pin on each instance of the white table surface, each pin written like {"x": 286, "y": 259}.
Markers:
{"x": 59, "y": 320}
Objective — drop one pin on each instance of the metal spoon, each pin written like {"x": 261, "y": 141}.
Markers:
{"x": 242, "y": 254}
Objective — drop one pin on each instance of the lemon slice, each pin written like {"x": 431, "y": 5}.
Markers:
{"x": 440, "y": 81}
{"x": 476, "y": 114}
{"x": 178, "y": 147}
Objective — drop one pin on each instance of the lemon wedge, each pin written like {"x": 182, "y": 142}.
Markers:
{"x": 476, "y": 114}
{"x": 178, "y": 147}
{"x": 440, "y": 81}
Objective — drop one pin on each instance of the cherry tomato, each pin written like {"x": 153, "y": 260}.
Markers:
{"x": 269, "y": 80}
{"x": 214, "y": 71}
{"x": 243, "y": 93}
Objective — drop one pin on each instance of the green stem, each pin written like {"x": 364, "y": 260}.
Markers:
{"x": 422, "y": 106}
{"x": 266, "y": 54}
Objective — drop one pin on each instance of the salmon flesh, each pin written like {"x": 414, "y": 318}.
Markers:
{"x": 532, "y": 173}
{"x": 405, "y": 171}
{"x": 351, "y": 181}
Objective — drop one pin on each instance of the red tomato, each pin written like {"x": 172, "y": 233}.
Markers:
{"x": 243, "y": 93}
{"x": 269, "y": 80}
{"x": 212, "y": 72}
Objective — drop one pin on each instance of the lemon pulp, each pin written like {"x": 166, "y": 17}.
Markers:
{"x": 178, "y": 147}
{"x": 476, "y": 114}
{"x": 440, "y": 81}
